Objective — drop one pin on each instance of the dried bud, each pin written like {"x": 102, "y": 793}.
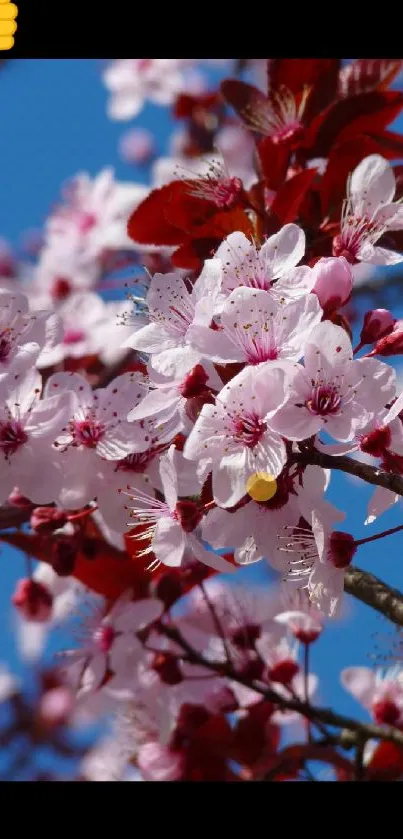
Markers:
{"x": 47, "y": 519}
{"x": 333, "y": 283}
{"x": 377, "y": 324}
{"x": 32, "y": 600}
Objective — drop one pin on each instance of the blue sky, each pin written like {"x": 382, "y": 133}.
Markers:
{"x": 54, "y": 125}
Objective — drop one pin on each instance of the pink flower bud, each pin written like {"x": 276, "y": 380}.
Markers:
{"x": 333, "y": 282}
{"x": 391, "y": 344}
{"x": 377, "y": 324}
{"x": 47, "y": 519}
{"x": 32, "y": 600}
{"x": 137, "y": 146}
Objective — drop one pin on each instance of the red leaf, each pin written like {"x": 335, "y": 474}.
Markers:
{"x": 320, "y": 74}
{"x": 287, "y": 202}
{"x": 243, "y": 98}
{"x": 148, "y": 224}
{"x": 274, "y": 158}
{"x": 365, "y": 113}
{"x": 366, "y": 74}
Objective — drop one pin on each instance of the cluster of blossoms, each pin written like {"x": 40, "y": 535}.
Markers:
{"x": 147, "y": 446}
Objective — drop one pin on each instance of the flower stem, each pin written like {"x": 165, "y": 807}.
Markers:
{"x": 379, "y": 535}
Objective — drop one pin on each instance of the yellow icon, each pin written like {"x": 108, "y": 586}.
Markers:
{"x": 261, "y": 486}
{"x": 8, "y": 13}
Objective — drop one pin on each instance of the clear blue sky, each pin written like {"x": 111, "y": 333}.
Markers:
{"x": 54, "y": 124}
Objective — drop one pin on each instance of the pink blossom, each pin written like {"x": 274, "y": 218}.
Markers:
{"x": 377, "y": 324}
{"x": 110, "y": 641}
{"x": 28, "y": 427}
{"x": 173, "y": 310}
{"x": 333, "y": 282}
{"x": 132, "y": 81}
{"x": 332, "y": 391}
{"x": 137, "y": 146}
{"x": 159, "y": 763}
{"x": 171, "y": 523}
{"x": 368, "y": 213}
{"x": 381, "y": 692}
{"x": 271, "y": 268}
{"x": 255, "y": 328}
{"x": 23, "y": 334}
{"x": 235, "y": 434}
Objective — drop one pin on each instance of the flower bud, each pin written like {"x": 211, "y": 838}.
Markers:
{"x": 377, "y": 324}
{"x": 385, "y": 712}
{"x": 391, "y": 344}
{"x": 47, "y": 519}
{"x": 333, "y": 282}
{"x": 32, "y": 600}
{"x": 283, "y": 671}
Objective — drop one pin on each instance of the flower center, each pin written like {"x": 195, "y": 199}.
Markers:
{"x": 87, "y": 432}
{"x": 12, "y": 436}
{"x": 248, "y": 429}
{"x": 188, "y": 515}
{"x": 324, "y": 400}
{"x": 86, "y": 221}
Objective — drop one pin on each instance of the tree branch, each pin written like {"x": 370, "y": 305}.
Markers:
{"x": 372, "y": 591}
{"x": 310, "y": 712}
{"x": 370, "y": 474}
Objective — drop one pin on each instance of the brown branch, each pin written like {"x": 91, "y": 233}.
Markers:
{"x": 310, "y": 712}
{"x": 372, "y": 591}
{"x": 370, "y": 474}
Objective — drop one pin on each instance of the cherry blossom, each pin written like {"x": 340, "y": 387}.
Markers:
{"x": 132, "y": 81}
{"x": 380, "y": 691}
{"x": 255, "y": 328}
{"x": 271, "y": 268}
{"x": 368, "y": 213}
{"x": 173, "y": 310}
{"x": 332, "y": 391}
{"x": 235, "y": 434}
{"x": 23, "y": 334}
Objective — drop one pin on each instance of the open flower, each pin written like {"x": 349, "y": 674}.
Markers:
{"x": 368, "y": 213}
{"x": 235, "y": 434}
{"x": 173, "y": 309}
{"x": 332, "y": 391}
{"x": 255, "y": 328}
{"x": 271, "y": 268}
{"x": 171, "y": 524}
{"x": 132, "y": 81}
{"x": 381, "y": 692}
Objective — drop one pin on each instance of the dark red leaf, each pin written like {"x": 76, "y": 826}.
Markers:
{"x": 366, "y": 74}
{"x": 243, "y": 98}
{"x": 287, "y": 202}
{"x": 320, "y": 74}
{"x": 274, "y": 159}
{"x": 148, "y": 224}
{"x": 386, "y": 763}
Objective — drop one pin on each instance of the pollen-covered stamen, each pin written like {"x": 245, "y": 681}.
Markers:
{"x": 87, "y": 432}
{"x": 279, "y": 117}
{"x": 147, "y": 511}
{"x": 216, "y": 186}
{"x": 324, "y": 400}
{"x": 248, "y": 429}
{"x": 104, "y": 637}
{"x": 299, "y": 542}
{"x": 356, "y": 229}
{"x": 249, "y": 270}
{"x": 12, "y": 436}
{"x": 181, "y": 311}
